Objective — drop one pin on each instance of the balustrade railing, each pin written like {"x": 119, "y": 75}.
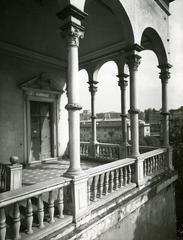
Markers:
{"x": 84, "y": 149}
{"x": 103, "y": 151}
{"x": 2, "y": 177}
{"x": 25, "y": 210}
{"x": 107, "y": 151}
{"x": 154, "y": 162}
{"x": 107, "y": 178}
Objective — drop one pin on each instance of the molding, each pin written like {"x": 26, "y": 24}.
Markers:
{"x": 163, "y": 6}
{"x": 107, "y": 52}
{"x": 134, "y": 47}
{"x": 71, "y": 10}
{"x": 30, "y": 55}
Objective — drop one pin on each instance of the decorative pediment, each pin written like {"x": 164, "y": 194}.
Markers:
{"x": 43, "y": 82}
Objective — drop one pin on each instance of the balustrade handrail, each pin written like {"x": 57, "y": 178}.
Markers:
{"x": 108, "y": 144}
{"x": 82, "y": 142}
{"x": 10, "y": 197}
{"x": 109, "y": 166}
{"x": 149, "y": 154}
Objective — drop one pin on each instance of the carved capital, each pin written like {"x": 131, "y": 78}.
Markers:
{"x": 73, "y": 106}
{"x": 164, "y": 75}
{"x": 73, "y": 33}
{"x": 93, "y": 86}
{"x": 133, "y": 62}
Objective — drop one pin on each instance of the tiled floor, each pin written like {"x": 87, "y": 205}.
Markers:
{"x": 45, "y": 171}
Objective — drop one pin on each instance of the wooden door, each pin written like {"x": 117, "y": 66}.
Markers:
{"x": 41, "y": 130}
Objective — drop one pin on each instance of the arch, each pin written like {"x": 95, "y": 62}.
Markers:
{"x": 151, "y": 40}
{"x": 107, "y": 26}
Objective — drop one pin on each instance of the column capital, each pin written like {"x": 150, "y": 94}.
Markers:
{"x": 122, "y": 83}
{"x": 72, "y": 29}
{"x": 133, "y": 61}
{"x": 93, "y": 86}
{"x": 73, "y": 33}
{"x": 164, "y": 75}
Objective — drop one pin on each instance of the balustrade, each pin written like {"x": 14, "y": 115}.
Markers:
{"x": 2, "y": 177}
{"x": 32, "y": 207}
{"x": 105, "y": 179}
{"x": 155, "y": 162}
{"x": 84, "y": 149}
{"x": 104, "y": 151}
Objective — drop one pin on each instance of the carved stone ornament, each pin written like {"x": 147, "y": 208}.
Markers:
{"x": 93, "y": 86}
{"x": 73, "y": 106}
{"x": 164, "y": 74}
{"x": 133, "y": 61}
{"x": 73, "y": 33}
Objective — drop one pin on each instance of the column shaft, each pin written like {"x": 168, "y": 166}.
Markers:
{"x": 123, "y": 84}
{"x": 164, "y": 76}
{"x": 133, "y": 63}
{"x": 93, "y": 89}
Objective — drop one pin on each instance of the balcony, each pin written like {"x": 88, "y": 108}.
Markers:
{"x": 49, "y": 207}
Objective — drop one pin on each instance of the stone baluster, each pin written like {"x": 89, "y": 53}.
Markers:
{"x": 121, "y": 177}
{"x": 60, "y": 203}
{"x": 129, "y": 174}
{"x": 95, "y": 187}
{"x": 2, "y": 224}
{"x": 51, "y": 208}
{"x": 106, "y": 183}
{"x": 29, "y": 216}
{"x": 16, "y": 221}
{"x": 101, "y": 185}
{"x": 111, "y": 181}
{"x": 125, "y": 176}
{"x": 116, "y": 179}
{"x": 40, "y": 211}
{"x": 90, "y": 181}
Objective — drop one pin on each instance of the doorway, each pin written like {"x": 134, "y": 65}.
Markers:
{"x": 41, "y": 130}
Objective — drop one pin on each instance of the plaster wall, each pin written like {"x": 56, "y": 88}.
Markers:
{"x": 143, "y": 14}
{"x": 154, "y": 220}
{"x": 12, "y": 113}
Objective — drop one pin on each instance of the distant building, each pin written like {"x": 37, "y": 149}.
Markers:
{"x": 153, "y": 117}
{"x": 109, "y": 130}
{"x": 85, "y": 115}
{"x": 176, "y": 119}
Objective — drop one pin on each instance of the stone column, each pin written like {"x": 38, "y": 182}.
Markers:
{"x": 164, "y": 76}
{"x": 93, "y": 90}
{"x": 73, "y": 32}
{"x": 133, "y": 62}
{"x": 123, "y": 84}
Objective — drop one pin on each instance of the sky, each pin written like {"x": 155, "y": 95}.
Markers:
{"x": 148, "y": 92}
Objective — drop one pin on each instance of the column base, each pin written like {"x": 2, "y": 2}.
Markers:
{"x": 73, "y": 172}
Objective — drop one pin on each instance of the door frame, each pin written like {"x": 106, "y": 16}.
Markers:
{"x": 40, "y": 96}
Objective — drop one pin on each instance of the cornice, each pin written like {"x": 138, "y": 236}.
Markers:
{"x": 30, "y": 55}
{"x": 104, "y": 53}
{"x": 163, "y": 6}
{"x": 71, "y": 10}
